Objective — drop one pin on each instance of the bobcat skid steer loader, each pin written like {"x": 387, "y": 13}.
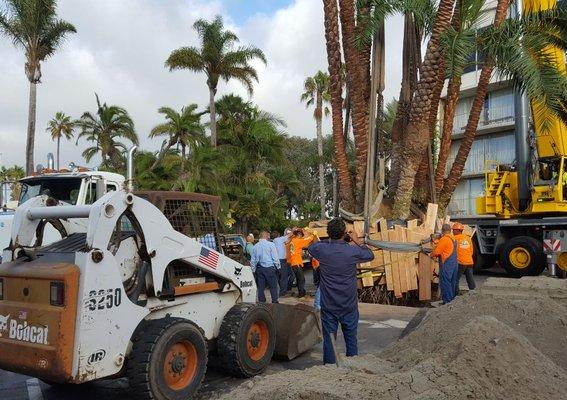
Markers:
{"x": 133, "y": 296}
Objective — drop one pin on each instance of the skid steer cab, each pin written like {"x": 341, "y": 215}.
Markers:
{"x": 135, "y": 296}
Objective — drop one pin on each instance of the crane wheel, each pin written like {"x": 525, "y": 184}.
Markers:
{"x": 168, "y": 360}
{"x": 523, "y": 256}
{"x": 247, "y": 340}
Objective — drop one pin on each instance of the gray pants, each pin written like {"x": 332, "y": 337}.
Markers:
{"x": 468, "y": 271}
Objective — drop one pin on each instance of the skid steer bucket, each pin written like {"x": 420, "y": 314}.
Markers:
{"x": 297, "y": 329}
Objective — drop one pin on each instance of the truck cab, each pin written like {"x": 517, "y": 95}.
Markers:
{"x": 78, "y": 187}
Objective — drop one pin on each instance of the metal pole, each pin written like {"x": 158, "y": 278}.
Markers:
{"x": 521, "y": 134}
{"x": 58, "y": 212}
{"x": 130, "y": 182}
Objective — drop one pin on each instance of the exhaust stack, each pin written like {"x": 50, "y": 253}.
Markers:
{"x": 130, "y": 177}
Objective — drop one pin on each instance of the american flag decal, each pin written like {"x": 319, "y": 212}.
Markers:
{"x": 208, "y": 257}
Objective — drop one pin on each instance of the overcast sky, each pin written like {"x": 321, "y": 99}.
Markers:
{"x": 119, "y": 52}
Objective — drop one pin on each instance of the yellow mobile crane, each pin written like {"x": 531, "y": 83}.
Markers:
{"x": 528, "y": 201}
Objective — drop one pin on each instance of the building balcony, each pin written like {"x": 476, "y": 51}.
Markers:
{"x": 491, "y": 119}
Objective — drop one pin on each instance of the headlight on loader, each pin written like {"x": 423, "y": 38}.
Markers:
{"x": 57, "y": 294}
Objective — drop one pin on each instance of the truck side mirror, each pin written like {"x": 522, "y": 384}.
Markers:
{"x": 100, "y": 188}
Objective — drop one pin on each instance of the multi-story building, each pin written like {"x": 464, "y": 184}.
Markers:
{"x": 494, "y": 140}
{"x": 495, "y": 136}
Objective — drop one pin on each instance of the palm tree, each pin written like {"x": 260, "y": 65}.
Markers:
{"x": 316, "y": 92}
{"x": 103, "y": 129}
{"x": 332, "y": 40}
{"x": 183, "y": 129}
{"x": 33, "y": 26}
{"x": 60, "y": 126}
{"x": 218, "y": 59}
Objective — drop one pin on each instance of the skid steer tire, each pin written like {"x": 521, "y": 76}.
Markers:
{"x": 247, "y": 340}
{"x": 168, "y": 360}
{"x": 523, "y": 256}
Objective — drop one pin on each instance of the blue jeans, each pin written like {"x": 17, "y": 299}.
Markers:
{"x": 349, "y": 326}
{"x": 317, "y": 300}
{"x": 267, "y": 276}
{"x": 448, "y": 280}
{"x": 285, "y": 272}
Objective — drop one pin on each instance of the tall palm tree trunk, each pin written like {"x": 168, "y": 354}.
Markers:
{"x": 358, "y": 88}
{"x": 318, "y": 122}
{"x": 410, "y": 61}
{"x": 448, "y": 123}
{"x": 332, "y": 36}
{"x": 30, "y": 142}
{"x": 58, "y": 149}
{"x": 482, "y": 88}
{"x": 213, "y": 111}
{"x": 417, "y": 136}
{"x": 422, "y": 192}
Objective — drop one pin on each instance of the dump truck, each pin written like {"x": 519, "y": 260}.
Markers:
{"x": 523, "y": 211}
{"x": 134, "y": 295}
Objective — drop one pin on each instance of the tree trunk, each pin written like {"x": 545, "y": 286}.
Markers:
{"x": 422, "y": 193}
{"x": 335, "y": 194}
{"x": 58, "y": 148}
{"x": 417, "y": 136}
{"x": 358, "y": 87}
{"x": 318, "y": 117}
{"x": 30, "y": 142}
{"x": 410, "y": 61}
{"x": 332, "y": 36}
{"x": 453, "y": 90}
{"x": 482, "y": 88}
{"x": 213, "y": 111}
{"x": 448, "y": 123}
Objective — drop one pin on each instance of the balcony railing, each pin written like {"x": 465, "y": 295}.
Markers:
{"x": 493, "y": 116}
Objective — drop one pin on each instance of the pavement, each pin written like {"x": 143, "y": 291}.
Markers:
{"x": 379, "y": 326}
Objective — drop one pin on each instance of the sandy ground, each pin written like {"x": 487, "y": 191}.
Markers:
{"x": 506, "y": 343}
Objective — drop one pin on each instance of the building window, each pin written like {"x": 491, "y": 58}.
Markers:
{"x": 498, "y": 110}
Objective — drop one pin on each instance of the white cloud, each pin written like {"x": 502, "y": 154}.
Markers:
{"x": 119, "y": 52}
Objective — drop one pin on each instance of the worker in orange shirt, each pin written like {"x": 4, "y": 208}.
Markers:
{"x": 465, "y": 252}
{"x": 297, "y": 243}
{"x": 446, "y": 250}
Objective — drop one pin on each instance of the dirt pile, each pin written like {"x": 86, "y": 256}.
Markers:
{"x": 480, "y": 347}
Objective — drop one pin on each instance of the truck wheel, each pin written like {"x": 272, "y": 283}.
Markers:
{"x": 523, "y": 256}
{"x": 168, "y": 361}
{"x": 247, "y": 339}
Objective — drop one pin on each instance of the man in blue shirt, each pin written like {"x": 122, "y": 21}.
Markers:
{"x": 285, "y": 269}
{"x": 339, "y": 296}
{"x": 265, "y": 263}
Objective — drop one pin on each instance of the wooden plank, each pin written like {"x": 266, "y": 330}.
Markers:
{"x": 383, "y": 235}
{"x": 431, "y": 217}
{"x": 367, "y": 280}
{"x": 198, "y": 288}
{"x": 395, "y": 267}
{"x": 400, "y": 262}
{"x": 424, "y": 276}
{"x": 383, "y": 224}
{"x": 412, "y": 224}
{"x": 358, "y": 228}
{"x": 389, "y": 277}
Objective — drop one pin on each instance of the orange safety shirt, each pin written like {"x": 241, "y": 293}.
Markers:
{"x": 296, "y": 247}
{"x": 443, "y": 247}
{"x": 464, "y": 249}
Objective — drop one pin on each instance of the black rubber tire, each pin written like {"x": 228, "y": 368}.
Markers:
{"x": 535, "y": 249}
{"x": 144, "y": 367}
{"x": 233, "y": 335}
